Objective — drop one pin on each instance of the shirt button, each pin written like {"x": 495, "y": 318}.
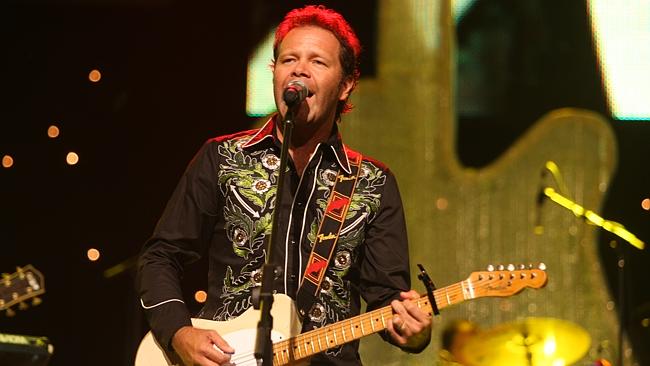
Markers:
{"x": 293, "y": 276}
{"x": 300, "y": 204}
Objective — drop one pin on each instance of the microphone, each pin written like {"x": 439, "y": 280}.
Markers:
{"x": 295, "y": 92}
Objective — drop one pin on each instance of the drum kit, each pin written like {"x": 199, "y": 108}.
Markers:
{"x": 528, "y": 342}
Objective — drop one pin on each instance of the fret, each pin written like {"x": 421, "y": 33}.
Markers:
{"x": 311, "y": 341}
{"x": 335, "y": 340}
{"x": 304, "y": 344}
{"x": 276, "y": 356}
{"x": 343, "y": 332}
{"x": 383, "y": 322}
{"x": 320, "y": 346}
{"x": 327, "y": 339}
{"x": 299, "y": 351}
{"x": 372, "y": 324}
{"x": 471, "y": 289}
{"x": 462, "y": 285}
{"x": 352, "y": 328}
{"x": 284, "y": 359}
{"x": 363, "y": 332}
{"x": 447, "y": 295}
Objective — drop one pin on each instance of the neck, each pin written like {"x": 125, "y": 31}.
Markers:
{"x": 304, "y": 139}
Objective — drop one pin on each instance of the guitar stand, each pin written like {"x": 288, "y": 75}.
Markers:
{"x": 428, "y": 284}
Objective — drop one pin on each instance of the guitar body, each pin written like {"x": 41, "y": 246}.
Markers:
{"x": 240, "y": 333}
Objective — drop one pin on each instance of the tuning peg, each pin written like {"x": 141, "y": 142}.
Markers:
{"x": 22, "y": 306}
{"x": 20, "y": 272}
{"x": 10, "y": 313}
{"x": 542, "y": 266}
{"x": 511, "y": 267}
{"x": 500, "y": 267}
{"x": 522, "y": 266}
{"x": 36, "y": 301}
{"x": 490, "y": 268}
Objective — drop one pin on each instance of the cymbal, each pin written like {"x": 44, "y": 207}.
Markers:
{"x": 529, "y": 342}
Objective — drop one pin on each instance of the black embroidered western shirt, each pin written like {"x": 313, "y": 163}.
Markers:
{"x": 223, "y": 206}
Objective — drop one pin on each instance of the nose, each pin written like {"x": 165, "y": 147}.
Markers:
{"x": 301, "y": 69}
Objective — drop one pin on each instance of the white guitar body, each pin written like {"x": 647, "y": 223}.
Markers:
{"x": 240, "y": 333}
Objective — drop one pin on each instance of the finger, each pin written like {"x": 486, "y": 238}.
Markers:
{"x": 415, "y": 312}
{"x": 221, "y": 343}
{"x": 215, "y": 355}
{"x": 399, "y": 339}
{"x": 398, "y": 307}
{"x": 212, "y": 350}
{"x": 410, "y": 295}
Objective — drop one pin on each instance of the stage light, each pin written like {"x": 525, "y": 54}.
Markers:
{"x": 442, "y": 203}
{"x": 460, "y": 7}
{"x": 200, "y": 296}
{"x": 621, "y": 32}
{"x": 7, "y": 161}
{"x": 645, "y": 322}
{"x": 53, "y": 132}
{"x": 94, "y": 76}
{"x": 93, "y": 254}
{"x": 72, "y": 158}
{"x": 259, "y": 80}
{"x": 645, "y": 204}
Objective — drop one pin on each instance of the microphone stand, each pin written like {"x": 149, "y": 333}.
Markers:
{"x": 616, "y": 229}
{"x": 271, "y": 270}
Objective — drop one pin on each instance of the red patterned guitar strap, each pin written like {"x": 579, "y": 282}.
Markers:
{"x": 328, "y": 234}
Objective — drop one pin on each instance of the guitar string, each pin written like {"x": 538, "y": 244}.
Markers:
{"x": 365, "y": 318}
{"x": 277, "y": 346}
{"x": 362, "y": 319}
{"x": 441, "y": 297}
{"x": 452, "y": 290}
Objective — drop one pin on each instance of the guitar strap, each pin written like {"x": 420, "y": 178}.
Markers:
{"x": 328, "y": 234}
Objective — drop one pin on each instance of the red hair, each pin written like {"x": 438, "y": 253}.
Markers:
{"x": 320, "y": 16}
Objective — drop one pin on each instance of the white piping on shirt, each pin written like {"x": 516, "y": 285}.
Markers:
{"x": 158, "y": 304}
{"x": 304, "y": 218}
{"x": 248, "y": 144}
{"x": 241, "y": 201}
{"x": 286, "y": 240}
{"x": 355, "y": 223}
{"x": 345, "y": 166}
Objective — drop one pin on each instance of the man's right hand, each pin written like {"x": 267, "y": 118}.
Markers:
{"x": 201, "y": 347}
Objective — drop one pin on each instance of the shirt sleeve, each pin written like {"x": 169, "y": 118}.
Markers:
{"x": 384, "y": 270}
{"x": 180, "y": 237}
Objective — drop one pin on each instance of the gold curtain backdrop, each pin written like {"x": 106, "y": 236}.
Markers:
{"x": 460, "y": 219}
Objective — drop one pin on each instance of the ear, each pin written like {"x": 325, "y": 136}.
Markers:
{"x": 346, "y": 88}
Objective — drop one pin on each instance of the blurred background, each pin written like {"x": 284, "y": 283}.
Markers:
{"x": 105, "y": 102}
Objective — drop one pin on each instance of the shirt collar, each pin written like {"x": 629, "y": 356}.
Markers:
{"x": 333, "y": 142}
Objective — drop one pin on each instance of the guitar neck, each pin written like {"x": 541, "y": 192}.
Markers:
{"x": 318, "y": 340}
{"x": 492, "y": 283}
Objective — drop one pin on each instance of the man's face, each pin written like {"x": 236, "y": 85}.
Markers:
{"x": 311, "y": 54}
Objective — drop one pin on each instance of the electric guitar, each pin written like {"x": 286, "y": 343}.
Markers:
{"x": 26, "y": 283}
{"x": 291, "y": 347}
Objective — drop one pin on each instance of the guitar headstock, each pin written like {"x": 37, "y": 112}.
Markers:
{"x": 507, "y": 280}
{"x": 26, "y": 283}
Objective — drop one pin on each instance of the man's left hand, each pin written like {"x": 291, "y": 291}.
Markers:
{"x": 410, "y": 326}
